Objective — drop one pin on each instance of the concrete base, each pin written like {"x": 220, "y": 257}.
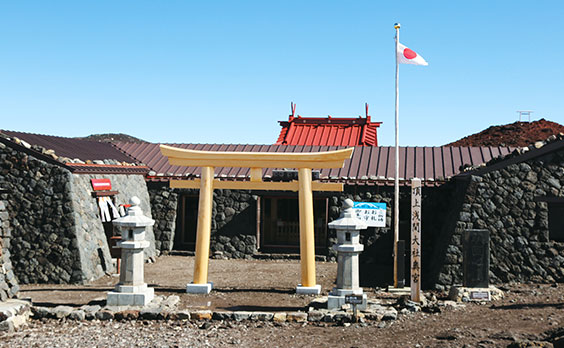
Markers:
{"x": 460, "y": 293}
{"x": 338, "y": 301}
{"x": 140, "y": 298}
{"x": 308, "y": 290}
{"x": 400, "y": 291}
{"x": 199, "y": 288}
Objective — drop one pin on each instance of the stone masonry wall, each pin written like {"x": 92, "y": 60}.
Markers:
{"x": 164, "y": 202}
{"x": 234, "y": 224}
{"x": 503, "y": 201}
{"x": 57, "y": 233}
{"x": 92, "y": 244}
{"x": 43, "y": 247}
{"x": 8, "y": 282}
{"x": 233, "y": 229}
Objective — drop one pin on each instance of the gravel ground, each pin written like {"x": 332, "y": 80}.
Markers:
{"x": 527, "y": 313}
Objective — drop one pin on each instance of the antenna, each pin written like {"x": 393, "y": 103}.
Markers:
{"x": 366, "y": 109}
{"x": 293, "y": 107}
{"x": 525, "y": 113}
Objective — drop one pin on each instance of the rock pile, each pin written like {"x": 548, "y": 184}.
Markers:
{"x": 13, "y": 314}
{"x": 516, "y": 134}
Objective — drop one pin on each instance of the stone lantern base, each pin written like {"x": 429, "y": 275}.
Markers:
{"x": 130, "y": 295}
{"x": 336, "y": 298}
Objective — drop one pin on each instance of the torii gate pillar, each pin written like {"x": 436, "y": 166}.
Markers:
{"x": 307, "y": 237}
{"x": 203, "y": 234}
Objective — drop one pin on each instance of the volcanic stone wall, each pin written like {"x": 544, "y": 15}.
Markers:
{"x": 57, "y": 233}
{"x": 234, "y": 224}
{"x": 164, "y": 202}
{"x": 43, "y": 247}
{"x": 94, "y": 251}
{"x": 8, "y": 281}
{"x": 506, "y": 202}
{"x": 233, "y": 228}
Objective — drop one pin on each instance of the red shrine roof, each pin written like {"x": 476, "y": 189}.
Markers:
{"x": 329, "y": 131}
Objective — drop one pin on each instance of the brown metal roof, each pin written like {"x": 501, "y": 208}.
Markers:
{"x": 367, "y": 165}
{"x": 72, "y": 147}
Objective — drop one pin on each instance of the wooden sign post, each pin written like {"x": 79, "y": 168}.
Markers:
{"x": 416, "y": 240}
{"x": 256, "y": 162}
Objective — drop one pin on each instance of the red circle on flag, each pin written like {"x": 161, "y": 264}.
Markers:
{"x": 409, "y": 54}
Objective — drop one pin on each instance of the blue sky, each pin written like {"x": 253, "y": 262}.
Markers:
{"x": 226, "y": 71}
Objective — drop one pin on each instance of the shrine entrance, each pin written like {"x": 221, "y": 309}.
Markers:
{"x": 281, "y": 228}
{"x": 185, "y": 234}
{"x": 256, "y": 162}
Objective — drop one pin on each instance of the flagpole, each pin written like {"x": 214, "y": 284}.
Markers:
{"x": 396, "y": 182}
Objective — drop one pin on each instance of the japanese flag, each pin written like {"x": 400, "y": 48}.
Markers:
{"x": 407, "y": 56}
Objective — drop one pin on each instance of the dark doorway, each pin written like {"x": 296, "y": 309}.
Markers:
{"x": 281, "y": 224}
{"x": 556, "y": 221}
{"x": 185, "y": 236}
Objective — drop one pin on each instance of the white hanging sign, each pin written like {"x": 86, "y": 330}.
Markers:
{"x": 372, "y": 214}
{"x": 106, "y": 204}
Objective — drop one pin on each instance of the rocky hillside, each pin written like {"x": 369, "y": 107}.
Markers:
{"x": 518, "y": 134}
{"x": 113, "y": 137}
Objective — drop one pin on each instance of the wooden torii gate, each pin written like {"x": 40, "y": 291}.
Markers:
{"x": 256, "y": 161}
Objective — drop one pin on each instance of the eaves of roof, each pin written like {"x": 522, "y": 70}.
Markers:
{"x": 107, "y": 169}
{"x": 72, "y": 147}
{"x": 76, "y": 167}
{"x": 368, "y": 165}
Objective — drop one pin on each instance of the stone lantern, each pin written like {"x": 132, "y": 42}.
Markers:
{"x": 348, "y": 248}
{"x": 131, "y": 289}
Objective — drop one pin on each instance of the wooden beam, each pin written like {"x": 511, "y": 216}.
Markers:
{"x": 175, "y": 161}
{"x": 186, "y": 157}
{"x": 256, "y": 174}
{"x": 261, "y": 185}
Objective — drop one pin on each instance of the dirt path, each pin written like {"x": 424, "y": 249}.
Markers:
{"x": 238, "y": 285}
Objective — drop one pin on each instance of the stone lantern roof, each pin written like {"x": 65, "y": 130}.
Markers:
{"x": 134, "y": 217}
{"x": 348, "y": 220}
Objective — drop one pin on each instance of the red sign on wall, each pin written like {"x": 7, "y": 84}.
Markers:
{"x": 101, "y": 184}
